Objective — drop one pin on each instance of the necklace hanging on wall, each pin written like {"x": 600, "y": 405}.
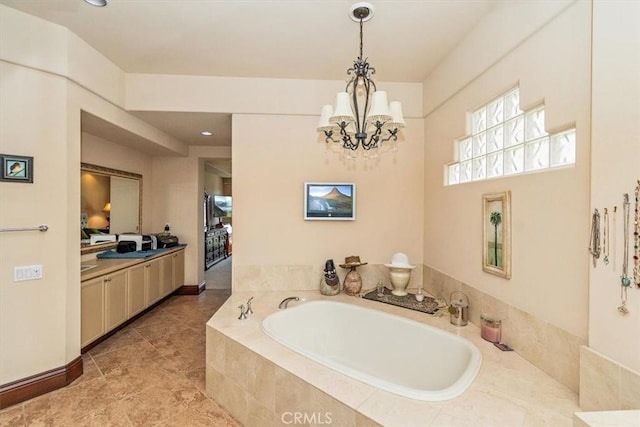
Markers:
{"x": 625, "y": 281}
{"x": 636, "y": 240}
{"x": 605, "y": 237}
{"x": 613, "y": 238}
{"x": 594, "y": 243}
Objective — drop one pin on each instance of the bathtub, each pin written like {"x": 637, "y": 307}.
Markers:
{"x": 389, "y": 352}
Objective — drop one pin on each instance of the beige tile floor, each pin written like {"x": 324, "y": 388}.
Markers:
{"x": 150, "y": 373}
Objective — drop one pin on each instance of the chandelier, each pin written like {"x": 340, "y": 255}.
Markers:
{"x": 362, "y": 116}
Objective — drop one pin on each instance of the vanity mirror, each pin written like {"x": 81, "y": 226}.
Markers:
{"x": 110, "y": 203}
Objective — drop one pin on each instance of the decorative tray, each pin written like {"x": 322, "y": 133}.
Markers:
{"x": 427, "y": 305}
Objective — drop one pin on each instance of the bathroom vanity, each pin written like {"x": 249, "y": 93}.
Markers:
{"x": 115, "y": 291}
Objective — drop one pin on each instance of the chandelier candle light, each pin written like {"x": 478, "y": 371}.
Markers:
{"x": 362, "y": 115}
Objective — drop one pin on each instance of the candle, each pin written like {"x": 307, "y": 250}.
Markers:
{"x": 490, "y": 329}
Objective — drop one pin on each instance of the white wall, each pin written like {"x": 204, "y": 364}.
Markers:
{"x": 615, "y": 170}
{"x": 549, "y": 221}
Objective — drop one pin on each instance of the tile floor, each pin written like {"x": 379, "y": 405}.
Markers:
{"x": 150, "y": 373}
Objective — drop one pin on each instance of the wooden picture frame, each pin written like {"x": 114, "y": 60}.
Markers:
{"x": 496, "y": 234}
{"x": 329, "y": 201}
{"x": 16, "y": 168}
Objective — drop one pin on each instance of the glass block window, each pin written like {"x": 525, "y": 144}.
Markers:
{"x": 506, "y": 141}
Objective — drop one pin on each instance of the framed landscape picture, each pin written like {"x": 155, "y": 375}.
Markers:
{"x": 496, "y": 234}
{"x": 329, "y": 201}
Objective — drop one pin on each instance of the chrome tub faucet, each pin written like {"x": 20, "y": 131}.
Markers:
{"x": 285, "y": 302}
{"x": 243, "y": 314}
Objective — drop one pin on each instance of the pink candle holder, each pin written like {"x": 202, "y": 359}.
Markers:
{"x": 490, "y": 329}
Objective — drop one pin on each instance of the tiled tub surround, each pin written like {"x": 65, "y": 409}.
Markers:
{"x": 554, "y": 350}
{"x": 261, "y": 382}
{"x": 306, "y": 277}
{"x": 605, "y": 385}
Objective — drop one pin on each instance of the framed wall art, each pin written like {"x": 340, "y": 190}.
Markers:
{"x": 329, "y": 201}
{"x": 16, "y": 168}
{"x": 496, "y": 234}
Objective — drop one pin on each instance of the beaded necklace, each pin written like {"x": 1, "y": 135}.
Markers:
{"x": 636, "y": 240}
{"x": 605, "y": 237}
{"x": 625, "y": 281}
{"x": 594, "y": 243}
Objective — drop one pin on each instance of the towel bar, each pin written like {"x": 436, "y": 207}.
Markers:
{"x": 42, "y": 227}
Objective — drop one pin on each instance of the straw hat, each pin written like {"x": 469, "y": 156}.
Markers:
{"x": 352, "y": 261}
{"x": 399, "y": 260}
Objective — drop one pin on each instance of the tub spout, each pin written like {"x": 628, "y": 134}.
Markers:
{"x": 285, "y": 302}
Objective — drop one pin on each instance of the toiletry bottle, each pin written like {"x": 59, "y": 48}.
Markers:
{"x": 329, "y": 282}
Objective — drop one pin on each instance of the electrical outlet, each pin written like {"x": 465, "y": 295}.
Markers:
{"x": 27, "y": 272}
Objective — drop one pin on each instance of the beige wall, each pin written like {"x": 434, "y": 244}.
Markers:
{"x": 269, "y": 228}
{"x": 33, "y": 324}
{"x": 110, "y": 154}
{"x": 42, "y": 69}
{"x": 549, "y": 210}
{"x": 615, "y": 170}
{"x": 179, "y": 184}
{"x": 213, "y": 183}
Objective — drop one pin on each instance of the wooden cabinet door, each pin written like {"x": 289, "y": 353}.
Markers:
{"x": 136, "y": 298}
{"x": 166, "y": 275}
{"x": 178, "y": 269}
{"x": 92, "y": 323}
{"x": 115, "y": 292}
{"x": 152, "y": 281}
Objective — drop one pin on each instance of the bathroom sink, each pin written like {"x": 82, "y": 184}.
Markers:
{"x": 86, "y": 267}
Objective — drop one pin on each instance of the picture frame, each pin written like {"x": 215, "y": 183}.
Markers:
{"x": 496, "y": 234}
{"x": 15, "y": 168}
{"x": 330, "y": 201}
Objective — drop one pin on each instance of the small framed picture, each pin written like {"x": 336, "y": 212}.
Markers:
{"x": 329, "y": 201}
{"x": 16, "y": 168}
{"x": 496, "y": 232}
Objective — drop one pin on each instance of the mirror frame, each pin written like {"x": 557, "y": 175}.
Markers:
{"x": 101, "y": 170}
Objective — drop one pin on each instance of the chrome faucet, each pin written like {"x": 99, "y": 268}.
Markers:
{"x": 243, "y": 314}
{"x": 285, "y": 302}
{"x": 249, "y": 310}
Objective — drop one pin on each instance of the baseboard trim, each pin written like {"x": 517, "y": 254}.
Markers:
{"x": 192, "y": 289}
{"x": 27, "y": 388}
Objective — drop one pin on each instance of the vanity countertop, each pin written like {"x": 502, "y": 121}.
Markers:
{"x": 105, "y": 266}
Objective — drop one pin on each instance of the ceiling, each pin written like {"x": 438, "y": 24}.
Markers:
{"x": 292, "y": 39}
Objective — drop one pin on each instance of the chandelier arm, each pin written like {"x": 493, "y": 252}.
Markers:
{"x": 329, "y": 136}
{"x": 393, "y": 134}
{"x": 347, "y": 143}
{"x": 375, "y": 137}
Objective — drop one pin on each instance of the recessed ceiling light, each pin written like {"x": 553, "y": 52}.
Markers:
{"x": 206, "y": 133}
{"x": 98, "y": 3}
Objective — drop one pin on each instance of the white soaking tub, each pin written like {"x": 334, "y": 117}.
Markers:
{"x": 389, "y": 352}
